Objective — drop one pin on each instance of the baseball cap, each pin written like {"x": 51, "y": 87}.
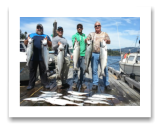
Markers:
{"x": 60, "y": 27}
{"x": 39, "y": 25}
{"x": 79, "y": 24}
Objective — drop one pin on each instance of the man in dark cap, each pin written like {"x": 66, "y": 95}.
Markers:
{"x": 36, "y": 58}
{"x": 56, "y": 41}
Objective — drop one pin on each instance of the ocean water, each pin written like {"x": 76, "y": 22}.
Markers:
{"x": 113, "y": 61}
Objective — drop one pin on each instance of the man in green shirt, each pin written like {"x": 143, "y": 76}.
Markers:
{"x": 80, "y": 37}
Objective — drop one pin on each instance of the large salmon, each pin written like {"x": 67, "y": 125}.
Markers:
{"x": 29, "y": 51}
{"x": 60, "y": 59}
{"x": 103, "y": 57}
{"x": 76, "y": 54}
{"x": 88, "y": 55}
{"x": 45, "y": 53}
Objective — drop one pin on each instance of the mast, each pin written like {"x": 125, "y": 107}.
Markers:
{"x": 54, "y": 28}
{"x": 118, "y": 37}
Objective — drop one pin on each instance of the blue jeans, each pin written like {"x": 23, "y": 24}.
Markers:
{"x": 80, "y": 64}
{"x": 94, "y": 65}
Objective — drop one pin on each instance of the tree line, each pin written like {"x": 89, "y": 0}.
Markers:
{"x": 113, "y": 53}
{"x": 23, "y": 35}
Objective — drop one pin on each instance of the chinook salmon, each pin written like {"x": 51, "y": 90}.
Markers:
{"x": 76, "y": 54}
{"x": 60, "y": 59}
{"x": 29, "y": 51}
{"x": 103, "y": 57}
{"x": 88, "y": 55}
{"x": 45, "y": 53}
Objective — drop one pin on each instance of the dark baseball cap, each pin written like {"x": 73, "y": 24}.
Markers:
{"x": 79, "y": 24}
{"x": 39, "y": 25}
{"x": 60, "y": 27}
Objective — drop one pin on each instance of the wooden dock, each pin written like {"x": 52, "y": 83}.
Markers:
{"x": 125, "y": 95}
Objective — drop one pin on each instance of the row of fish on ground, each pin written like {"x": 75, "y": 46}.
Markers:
{"x": 55, "y": 98}
{"x": 76, "y": 55}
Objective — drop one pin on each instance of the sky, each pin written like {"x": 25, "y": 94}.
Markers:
{"x": 122, "y": 31}
{"x": 131, "y": 19}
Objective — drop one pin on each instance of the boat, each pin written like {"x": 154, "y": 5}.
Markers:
{"x": 130, "y": 64}
{"x": 24, "y": 70}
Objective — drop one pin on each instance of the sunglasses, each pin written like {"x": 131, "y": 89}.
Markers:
{"x": 39, "y": 27}
{"x": 60, "y": 30}
{"x": 79, "y": 27}
{"x": 97, "y": 26}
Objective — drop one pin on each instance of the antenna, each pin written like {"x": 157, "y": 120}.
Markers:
{"x": 118, "y": 37}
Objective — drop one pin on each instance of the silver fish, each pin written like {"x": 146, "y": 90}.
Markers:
{"x": 29, "y": 51}
{"x": 45, "y": 53}
{"x": 77, "y": 93}
{"x": 72, "y": 98}
{"x": 97, "y": 99}
{"x": 60, "y": 59}
{"x": 103, "y": 96}
{"x": 103, "y": 57}
{"x": 88, "y": 55}
{"x": 76, "y": 54}
{"x": 61, "y": 102}
{"x": 95, "y": 102}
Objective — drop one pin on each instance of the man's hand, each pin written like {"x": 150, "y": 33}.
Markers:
{"x": 75, "y": 40}
{"x": 86, "y": 40}
{"x": 107, "y": 41}
{"x": 30, "y": 40}
{"x": 59, "y": 43}
{"x": 71, "y": 56}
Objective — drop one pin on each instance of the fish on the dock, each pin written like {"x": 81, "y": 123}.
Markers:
{"x": 61, "y": 102}
{"x": 76, "y": 54}
{"x": 95, "y": 102}
{"x": 77, "y": 93}
{"x": 72, "y": 98}
{"x": 29, "y": 51}
{"x": 34, "y": 99}
{"x": 80, "y": 97}
{"x": 48, "y": 92}
{"x": 103, "y": 57}
{"x": 97, "y": 99}
{"x": 60, "y": 59}
{"x": 88, "y": 55}
{"x": 51, "y": 95}
{"x": 103, "y": 96}
{"x": 45, "y": 54}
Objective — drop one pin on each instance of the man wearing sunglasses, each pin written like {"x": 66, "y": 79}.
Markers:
{"x": 56, "y": 41}
{"x": 37, "y": 59}
{"x": 80, "y": 37}
{"x": 97, "y": 37}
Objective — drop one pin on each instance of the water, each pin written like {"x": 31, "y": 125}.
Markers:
{"x": 114, "y": 59}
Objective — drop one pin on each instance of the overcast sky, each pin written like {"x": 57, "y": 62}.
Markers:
{"x": 128, "y": 27}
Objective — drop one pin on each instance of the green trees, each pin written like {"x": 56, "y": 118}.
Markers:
{"x": 22, "y": 35}
{"x": 113, "y": 53}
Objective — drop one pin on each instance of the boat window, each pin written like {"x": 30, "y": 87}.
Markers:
{"x": 131, "y": 58}
{"x": 138, "y": 58}
{"x": 22, "y": 49}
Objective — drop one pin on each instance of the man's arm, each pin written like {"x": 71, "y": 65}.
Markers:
{"x": 48, "y": 41}
{"x": 55, "y": 44}
{"x": 107, "y": 39}
{"x": 26, "y": 40}
{"x": 88, "y": 38}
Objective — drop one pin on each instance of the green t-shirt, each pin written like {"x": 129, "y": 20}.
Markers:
{"x": 81, "y": 39}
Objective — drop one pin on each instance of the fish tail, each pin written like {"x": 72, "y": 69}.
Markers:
{"x": 101, "y": 74}
{"x": 86, "y": 71}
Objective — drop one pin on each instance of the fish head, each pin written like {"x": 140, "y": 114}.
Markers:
{"x": 89, "y": 42}
{"x": 102, "y": 44}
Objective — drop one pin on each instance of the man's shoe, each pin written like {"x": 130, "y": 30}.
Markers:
{"x": 94, "y": 87}
{"x": 84, "y": 86}
{"x": 64, "y": 86}
{"x": 30, "y": 87}
{"x": 74, "y": 86}
{"x": 47, "y": 86}
{"x": 108, "y": 87}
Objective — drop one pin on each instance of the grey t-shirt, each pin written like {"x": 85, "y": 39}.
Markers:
{"x": 55, "y": 45}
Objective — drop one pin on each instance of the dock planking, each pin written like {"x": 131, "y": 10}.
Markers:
{"x": 125, "y": 96}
